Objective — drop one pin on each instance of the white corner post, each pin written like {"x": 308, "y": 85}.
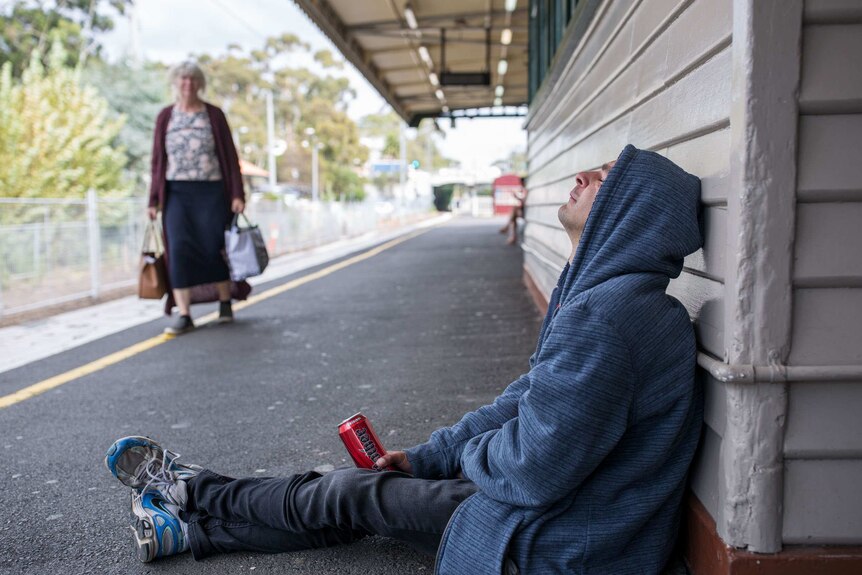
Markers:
{"x": 759, "y": 286}
{"x": 94, "y": 242}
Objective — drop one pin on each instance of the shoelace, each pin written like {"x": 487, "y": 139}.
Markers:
{"x": 160, "y": 475}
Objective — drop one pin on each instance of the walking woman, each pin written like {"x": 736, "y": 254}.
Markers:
{"x": 196, "y": 183}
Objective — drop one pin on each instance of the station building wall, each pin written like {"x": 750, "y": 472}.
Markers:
{"x": 665, "y": 75}
{"x": 823, "y": 439}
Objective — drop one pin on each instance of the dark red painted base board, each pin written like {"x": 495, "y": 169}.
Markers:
{"x": 707, "y": 554}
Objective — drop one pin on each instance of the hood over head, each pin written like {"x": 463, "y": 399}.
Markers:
{"x": 644, "y": 220}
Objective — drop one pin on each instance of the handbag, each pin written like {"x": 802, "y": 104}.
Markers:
{"x": 245, "y": 250}
{"x": 152, "y": 277}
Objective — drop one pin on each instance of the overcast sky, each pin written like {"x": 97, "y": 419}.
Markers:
{"x": 171, "y": 30}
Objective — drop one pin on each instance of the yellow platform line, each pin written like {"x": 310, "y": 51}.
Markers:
{"x": 140, "y": 347}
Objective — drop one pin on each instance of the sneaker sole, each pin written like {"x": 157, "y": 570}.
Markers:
{"x": 145, "y": 535}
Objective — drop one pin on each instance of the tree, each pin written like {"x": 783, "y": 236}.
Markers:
{"x": 304, "y": 101}
{"x": 517, "y": 162}
{"x": 56, "y": 137}
{"x": 421, "y": 144}
{"x": 136, "y": 94}
{"x": 345, "y": 185}
{"x": 30, "y": 27}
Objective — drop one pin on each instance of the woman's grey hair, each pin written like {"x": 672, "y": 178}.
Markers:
{"x": 187, "y": 69}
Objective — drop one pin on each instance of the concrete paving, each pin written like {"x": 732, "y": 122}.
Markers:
{"x": 413, "y": 337}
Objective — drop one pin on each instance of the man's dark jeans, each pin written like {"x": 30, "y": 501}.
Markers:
{"x": 274, "y": 515}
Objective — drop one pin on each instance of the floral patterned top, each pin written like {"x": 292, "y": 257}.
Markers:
{"x": 190, "y": 147}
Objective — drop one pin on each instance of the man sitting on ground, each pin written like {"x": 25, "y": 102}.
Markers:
{"x": 578, "y": 466}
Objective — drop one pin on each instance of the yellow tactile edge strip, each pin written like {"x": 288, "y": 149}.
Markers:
{"x": 140, "y": 347}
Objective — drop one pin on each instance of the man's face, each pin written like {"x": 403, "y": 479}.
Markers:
{"x": 573, "y": 214}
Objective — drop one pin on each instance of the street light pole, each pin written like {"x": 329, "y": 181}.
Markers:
{"x": 270, "y": 139}
{"x": 315, "y": 177}
{"x": 315, "y": 167}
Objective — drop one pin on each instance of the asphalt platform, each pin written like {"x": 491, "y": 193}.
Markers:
{"x": 412, "y": 336}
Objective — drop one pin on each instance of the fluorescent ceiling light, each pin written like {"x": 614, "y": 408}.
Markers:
{"x": 511, "y": 5}
{"x": 498, "y": 101}
{"x": 439, "y": 94}
{"x": 426, "y": 56}
{"x": 506, "y": 37}
{"x": 445, "y": 109}
{"x": 502, "y": 68}
{"x": 410, "y": 17}
{"x": 432, "y": 77}
{"x": 499, "y": 91}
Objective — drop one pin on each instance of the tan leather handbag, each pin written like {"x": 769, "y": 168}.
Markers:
{"x": 152, "y": 280}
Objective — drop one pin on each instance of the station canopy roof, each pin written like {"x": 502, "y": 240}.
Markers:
{"x": 434, "y": 58}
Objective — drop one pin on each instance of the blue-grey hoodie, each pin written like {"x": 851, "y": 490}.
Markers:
{"x": 582, "y": 462}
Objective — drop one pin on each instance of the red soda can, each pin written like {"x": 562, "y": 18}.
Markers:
{"x": 361, "y": 442}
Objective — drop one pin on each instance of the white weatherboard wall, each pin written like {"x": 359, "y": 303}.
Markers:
{"x": 656, "y": 74}
{"x": 823, "y": 441}
{"x": 776, "y": 292}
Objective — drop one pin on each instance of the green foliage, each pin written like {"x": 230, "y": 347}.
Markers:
{"x": 327, "y": 60}
{"x": 421, "y": 147}
{"x": 56, "y": 135}
{"x": 443, "y": 197}
{"x": 517, "y": 162}
{"x": 345, "y": 185}
{"x": 29, "y": 27}
{"x": 304, "y": 100}
{"x": 391, "y": 146}
{"x": 137, "y": 94}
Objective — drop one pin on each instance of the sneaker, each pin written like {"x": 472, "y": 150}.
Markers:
{"x": 225, "y": 312}
{"x": 184, "y": 324}
{"x": 142, "y": 464}
{"x": 159, "y": 531}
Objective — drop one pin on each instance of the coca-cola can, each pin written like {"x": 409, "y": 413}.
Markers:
{"x": 361, "y": 442}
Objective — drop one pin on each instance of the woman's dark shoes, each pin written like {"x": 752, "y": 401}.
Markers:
{"x": 225, "y": 312}
{"x": 184, "y": 324}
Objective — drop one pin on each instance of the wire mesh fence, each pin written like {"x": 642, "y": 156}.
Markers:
{"x": 58, "y": 250}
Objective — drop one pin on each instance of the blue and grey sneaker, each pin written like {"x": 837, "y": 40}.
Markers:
{"x": 159, "y": 531}
{"x": 142, "y": 464}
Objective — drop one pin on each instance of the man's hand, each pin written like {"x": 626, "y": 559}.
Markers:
{"x": 237, "y": 206}
{"x": 152, "y": 212}
{"x": 397, "y": 459}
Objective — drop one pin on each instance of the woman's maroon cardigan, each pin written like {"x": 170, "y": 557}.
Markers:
{"x": 230, "y": 175}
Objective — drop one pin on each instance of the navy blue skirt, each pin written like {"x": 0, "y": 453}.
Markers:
{"x": 195, "y": 218}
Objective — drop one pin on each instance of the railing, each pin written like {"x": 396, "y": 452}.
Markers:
{"x": 58, "y": 250}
